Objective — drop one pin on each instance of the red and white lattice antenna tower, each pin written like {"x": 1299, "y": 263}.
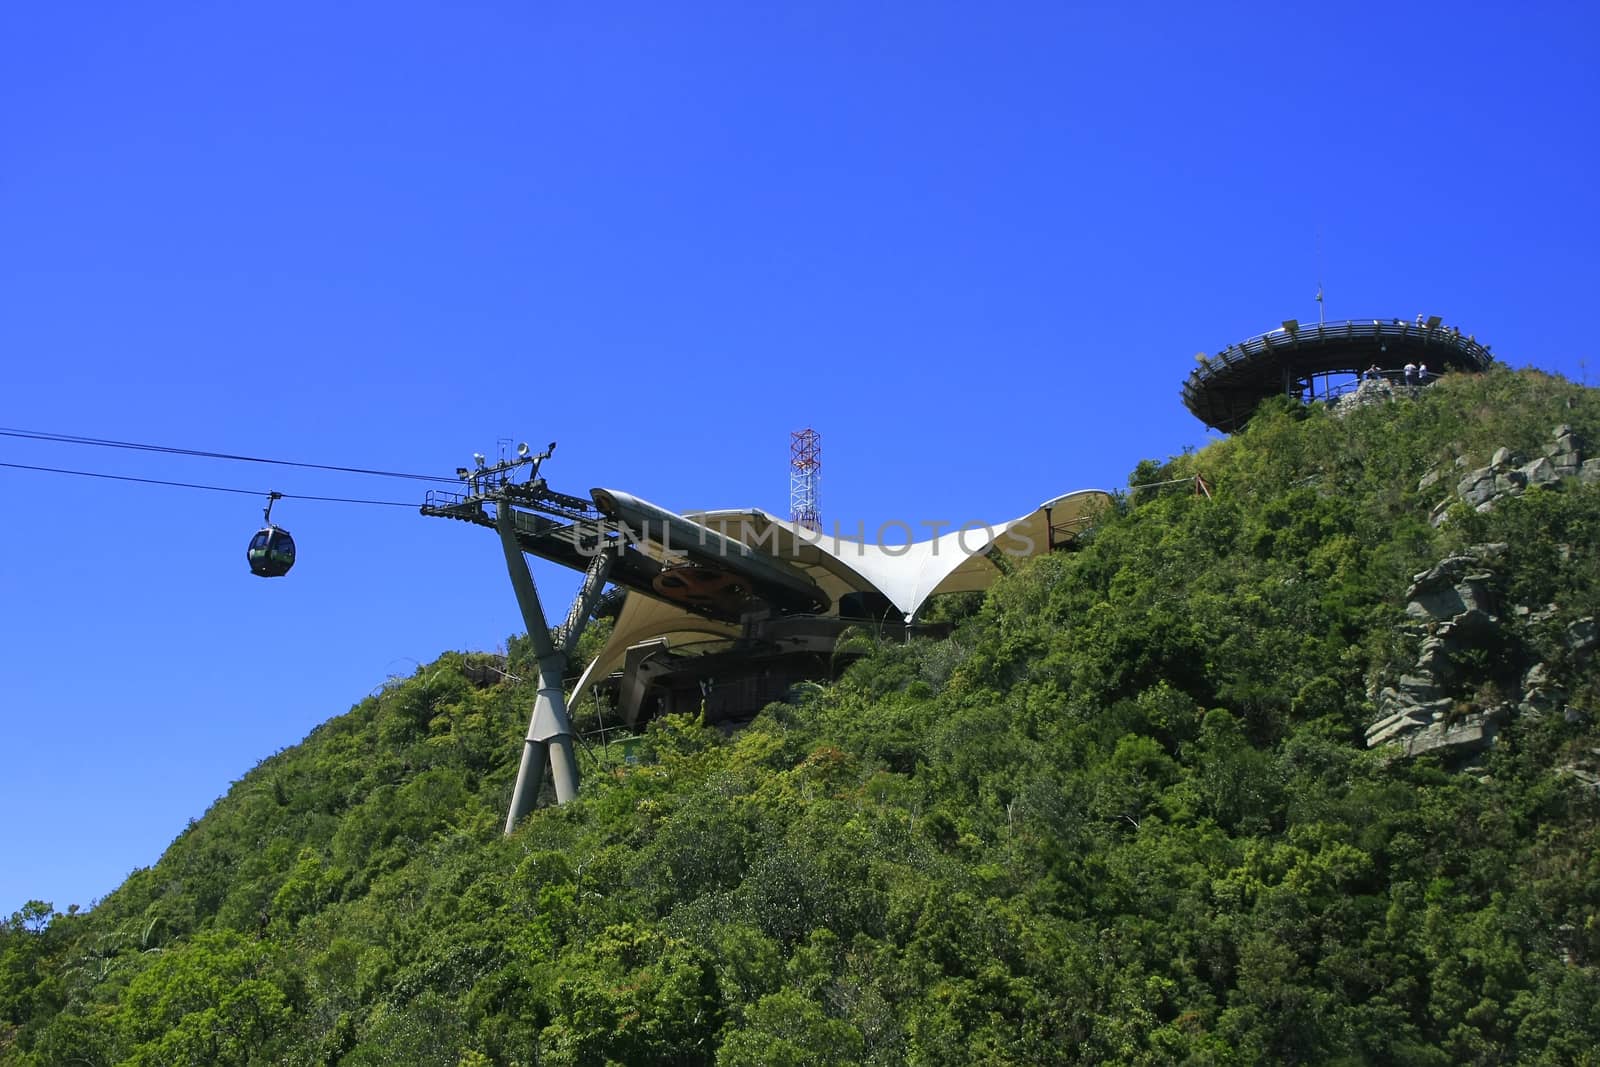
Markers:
{"x": 805, "y": 479}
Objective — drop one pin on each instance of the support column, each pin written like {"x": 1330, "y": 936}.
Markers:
{"x": 549, "y": 732}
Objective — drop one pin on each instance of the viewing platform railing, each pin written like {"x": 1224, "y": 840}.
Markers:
{"x": 1283, "y": 340}
{"x": 1225, "y": 388}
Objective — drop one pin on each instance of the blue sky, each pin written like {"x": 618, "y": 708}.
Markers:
{"x": 976, "y": 247}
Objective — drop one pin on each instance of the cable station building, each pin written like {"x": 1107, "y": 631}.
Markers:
{"x": 1317, "y": 362}
{"x": 718, "y": 613}
{"x": 707, "y": 636}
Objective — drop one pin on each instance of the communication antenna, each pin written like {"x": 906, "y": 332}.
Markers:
{"x": 805, "y": 479}
{"x": 1319, "y": 275}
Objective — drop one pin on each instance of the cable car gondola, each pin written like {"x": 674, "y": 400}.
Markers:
{"x": 271, "y": 551}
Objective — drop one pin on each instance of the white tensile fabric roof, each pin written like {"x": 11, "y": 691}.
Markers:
{"x": 906, "y": 574}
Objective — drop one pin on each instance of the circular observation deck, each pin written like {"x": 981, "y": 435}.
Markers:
{"x": 1224, "y": 390}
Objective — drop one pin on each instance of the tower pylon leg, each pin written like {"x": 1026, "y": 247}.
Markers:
{"x": 549, "y": 731}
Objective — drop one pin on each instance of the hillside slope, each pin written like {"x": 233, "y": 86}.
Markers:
{"x": 1125, "y": 813}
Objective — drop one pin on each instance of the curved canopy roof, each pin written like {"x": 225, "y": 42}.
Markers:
{"x": 906, "y": 574}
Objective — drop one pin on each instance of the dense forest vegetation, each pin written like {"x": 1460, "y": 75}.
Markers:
{"x": 1123, "y": 813}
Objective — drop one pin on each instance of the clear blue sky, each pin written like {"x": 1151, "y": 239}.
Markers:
{"x": 977, "y": 246}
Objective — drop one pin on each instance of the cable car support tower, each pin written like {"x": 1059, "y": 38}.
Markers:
{"x": 524, "y": 506}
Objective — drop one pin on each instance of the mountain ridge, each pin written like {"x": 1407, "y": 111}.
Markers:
{"x": 1125, "y": 812}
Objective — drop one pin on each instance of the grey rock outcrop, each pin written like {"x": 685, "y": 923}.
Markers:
{"x": 1508, "y": 475}
{"x": 1455, "y": 608}
{"x": 1540, "y": 696}
{"x": 1565, "y": 452}
{"x": 1540, "y": 472}
{"x": 1588, "y": 778}
{"x": 1471, "y": 733}
{"x": 1455, "y": 600}
{"x": 1582, "y": 636}
{"x": 1585, "y": 768}
{"x": 1367, "y": 393}
{"x": 1454, "y": 587}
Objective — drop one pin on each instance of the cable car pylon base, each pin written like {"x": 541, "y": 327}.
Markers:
{"x": 549, "y": 738}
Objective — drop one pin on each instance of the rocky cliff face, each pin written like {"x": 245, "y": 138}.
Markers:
{"x": 1474, "y": 671}
{"x": 1454, "y": 698}
{"x": 1507, "y": 474}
